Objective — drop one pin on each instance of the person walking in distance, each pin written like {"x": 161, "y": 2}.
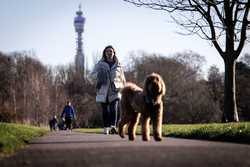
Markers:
{"x": 68, "y": 115}
{"x": 53, "y": 123}
{"x": 110, "y": 80}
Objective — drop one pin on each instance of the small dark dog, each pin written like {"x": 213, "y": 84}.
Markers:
{"x": 147, "y": 103}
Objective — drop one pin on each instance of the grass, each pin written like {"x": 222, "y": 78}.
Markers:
{"x": 230, "y": 132}
{"x": 15, "y": 136}
{"x": 90, "y": 130}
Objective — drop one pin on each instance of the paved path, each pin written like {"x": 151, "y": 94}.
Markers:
{"x": 65, "y": 149}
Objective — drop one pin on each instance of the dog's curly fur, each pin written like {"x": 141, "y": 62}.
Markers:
{"x": 145, "y": 103}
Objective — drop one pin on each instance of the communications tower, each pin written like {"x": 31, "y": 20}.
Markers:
{"x": 79, "y": 22}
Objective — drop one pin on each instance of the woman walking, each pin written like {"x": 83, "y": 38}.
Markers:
{"x": 110, "y": 80}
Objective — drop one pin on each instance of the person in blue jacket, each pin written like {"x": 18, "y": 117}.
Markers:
{"x": 68, "y": 115}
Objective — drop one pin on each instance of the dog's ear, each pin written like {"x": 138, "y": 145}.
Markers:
{"x": 145, "y": 88}
{"x": 163, "y": 86}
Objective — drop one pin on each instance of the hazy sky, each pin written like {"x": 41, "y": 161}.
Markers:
{"x": 46, "y": 27}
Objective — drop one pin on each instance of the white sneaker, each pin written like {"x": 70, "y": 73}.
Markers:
{"x": 106, "y": 131}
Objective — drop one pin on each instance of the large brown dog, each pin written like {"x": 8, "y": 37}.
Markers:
{"x": 147, "y": 103}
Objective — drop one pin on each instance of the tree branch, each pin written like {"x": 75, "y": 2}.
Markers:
{"x": 243, "y": 29}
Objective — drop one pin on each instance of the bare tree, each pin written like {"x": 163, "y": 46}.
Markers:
{"x": 223, "y": 22}
{"x": 215, "y": 83}
{"x": 7, "y": 95}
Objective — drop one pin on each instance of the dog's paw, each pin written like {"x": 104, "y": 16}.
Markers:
{"x": 122, "y": 136}
{"x": 158, "y": 139}
{"x": 145, "y": 139}
{"x": 131, "y": 138}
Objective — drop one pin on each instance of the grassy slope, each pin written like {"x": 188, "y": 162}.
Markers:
{"x": 233, "y": 132}
{"x": 15, "y": 136}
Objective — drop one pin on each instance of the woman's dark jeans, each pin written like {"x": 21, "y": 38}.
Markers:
{"x": 110, "y": 113}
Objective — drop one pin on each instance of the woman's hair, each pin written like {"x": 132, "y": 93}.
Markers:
{"x": 107, "y": 47}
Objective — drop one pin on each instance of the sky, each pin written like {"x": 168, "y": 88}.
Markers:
{"x": 45, "y": 27}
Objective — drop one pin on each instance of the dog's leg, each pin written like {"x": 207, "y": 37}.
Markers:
{"x": 145, "y": 128}
{"x": 121, "y": 126}
{"x": 124, "y": 117}
{"x": 157, "y": 123}
{"x": 132, "y": 126}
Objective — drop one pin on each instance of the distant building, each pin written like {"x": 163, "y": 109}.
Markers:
{"x": 79, "y": 22}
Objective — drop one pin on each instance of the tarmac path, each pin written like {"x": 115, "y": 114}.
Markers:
{"x": 74, "y": 149}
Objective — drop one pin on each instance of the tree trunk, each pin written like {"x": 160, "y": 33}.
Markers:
{"x": 230, "y": 107}
{"x": 14, "y": 104}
